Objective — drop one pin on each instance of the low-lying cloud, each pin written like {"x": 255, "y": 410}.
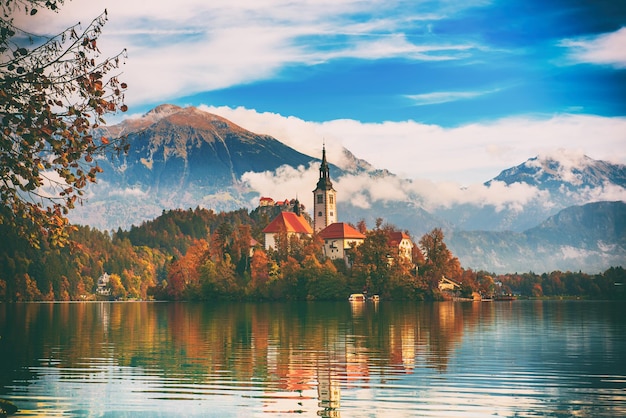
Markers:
{"x": 362, "y": 190}
{"x": 468, "y": 154}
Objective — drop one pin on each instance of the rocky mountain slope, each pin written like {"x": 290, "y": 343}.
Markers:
{"x": 186, "y": 147}
{"x": 179, "y": 158}
{"x": 590, "y": 238}
{"x": 558, "y": 181}
{"x": 565, "y": 175}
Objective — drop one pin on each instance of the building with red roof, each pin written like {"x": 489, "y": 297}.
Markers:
{"x": 403, "y": 243}
{"x": 266, "y": 201}
{"x": 289, "y": 223}
{"x": 339, "y": 238}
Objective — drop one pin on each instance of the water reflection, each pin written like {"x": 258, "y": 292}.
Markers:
{"x": 318, "y": 359}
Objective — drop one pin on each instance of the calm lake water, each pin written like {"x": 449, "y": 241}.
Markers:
{"x": 389, "y": 359}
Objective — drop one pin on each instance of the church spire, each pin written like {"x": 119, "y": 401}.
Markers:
{"x": 324, "y": 182}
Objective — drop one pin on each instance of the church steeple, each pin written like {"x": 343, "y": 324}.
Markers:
{"x": 324, "y": 182}
{"x": 324, "y": 197}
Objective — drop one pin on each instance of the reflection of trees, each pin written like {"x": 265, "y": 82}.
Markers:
{"x": 280, "y": 346}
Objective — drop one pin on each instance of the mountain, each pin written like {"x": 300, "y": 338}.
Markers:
{"x": 563, "y": 175}
{"x": 185, "y": 147}
{"x": 179, "y": 158}
{"x": 589, "y": 238}
{"x": 557, "y": 182}
{"x": 182, "y": 158}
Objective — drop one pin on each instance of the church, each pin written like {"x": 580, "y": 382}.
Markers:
{"x": 339, "y": 238}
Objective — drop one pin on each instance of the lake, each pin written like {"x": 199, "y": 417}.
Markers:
{"x": 386, "y": 359}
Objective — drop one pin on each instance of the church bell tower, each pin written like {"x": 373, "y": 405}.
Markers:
{"x": 324, "y": 198}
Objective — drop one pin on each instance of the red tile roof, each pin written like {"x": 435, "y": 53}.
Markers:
{"x": 288, "y": 222}
{"x": 340, "y": 230}
{"x": 395, "y": 238}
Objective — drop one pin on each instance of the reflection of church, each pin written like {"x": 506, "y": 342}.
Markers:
{"x": 328, "y": 392}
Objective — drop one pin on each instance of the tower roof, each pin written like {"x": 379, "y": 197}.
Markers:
{"x": 324, "y": 182}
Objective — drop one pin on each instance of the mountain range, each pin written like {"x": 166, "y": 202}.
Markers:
{"x": 571, "y": 218}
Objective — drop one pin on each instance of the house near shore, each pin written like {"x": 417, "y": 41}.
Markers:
{"x": 103, "y": 288}
{"x": 446, "y": 284}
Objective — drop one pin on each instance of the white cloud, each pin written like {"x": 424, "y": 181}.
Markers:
{"x": 570, "y": 161}
{"x": 438, "y": 167}
{"x": 444, "y": 96}
{"x": 52, "y": 184}
{"x": 498, "y": 194}
{"x": 284, "y": 183}
{"x": 129, "y": 192}
{"x": 606, "y": 193}
{"x": 362, "y": 190}
{"x": 306, "y": 137}
{"x": 466, "y": 155}
{"x": 189, "y": 46}
{"x": 604, "y": 49}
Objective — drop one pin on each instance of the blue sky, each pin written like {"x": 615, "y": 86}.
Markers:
{"x": 512, "y": 57}
{"x": 443, "y": 90}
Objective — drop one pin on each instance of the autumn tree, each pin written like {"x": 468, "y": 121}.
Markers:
{"x": 218, "y": 279}
{"x": 326, "y": 283}
{"x": 117, "y": 288}
{"x": 438, "y": 259}
{"x": 259, "y": 270}
{"x": 486, "y": 284}
{"x": 54, "y": 91}
{"x": 183, "y": 277}
{"x": 371, "y": 268}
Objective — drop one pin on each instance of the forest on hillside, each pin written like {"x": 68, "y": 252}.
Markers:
{"x": 198, "y": 254}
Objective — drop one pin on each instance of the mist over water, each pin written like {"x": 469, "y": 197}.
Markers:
{"x": 520, "y": 358}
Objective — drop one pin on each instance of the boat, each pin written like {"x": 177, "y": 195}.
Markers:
{"x": 374, "y": 298}
{"x": 357, "y": 297}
